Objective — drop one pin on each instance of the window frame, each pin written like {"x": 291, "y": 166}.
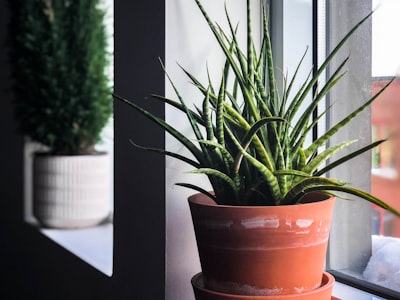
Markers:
{"x": 347, "y": 257}
{"x": 351, "y": 218}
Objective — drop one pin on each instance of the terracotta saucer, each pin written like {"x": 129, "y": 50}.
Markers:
{"x": 324, "y": 292}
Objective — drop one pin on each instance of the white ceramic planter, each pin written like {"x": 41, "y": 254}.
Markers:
{"x": 71, "y": 191}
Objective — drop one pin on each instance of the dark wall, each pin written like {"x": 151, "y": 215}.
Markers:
{"x": 10, "y": 172}
{"x": 139, "y": 259}
{"x": 34, "y": 267}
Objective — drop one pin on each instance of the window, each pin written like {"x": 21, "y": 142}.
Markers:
{"x": 385, "y": 64}
{"x": 93, "y": 245}
{"x": 359, "y": 253}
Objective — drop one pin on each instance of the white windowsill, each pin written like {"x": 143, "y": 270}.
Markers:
{"x": 92, "y": 245}
{"x": 346, "y": 292}
{"x": 95, "y": 246}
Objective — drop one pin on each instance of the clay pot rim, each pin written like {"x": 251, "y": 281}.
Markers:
{"x": 327, "y": 282}
{"x": 211, "y": 203}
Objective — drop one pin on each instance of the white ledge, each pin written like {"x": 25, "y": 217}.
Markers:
{"x": 346, "y": 292}
{"x": 92, "y": 245}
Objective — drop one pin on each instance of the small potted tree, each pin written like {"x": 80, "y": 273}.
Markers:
{"x": 262, "y": 231}
{"x": 58, "y": 55}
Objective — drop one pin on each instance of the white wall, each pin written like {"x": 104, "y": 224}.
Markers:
{"x": 190, "y": 43}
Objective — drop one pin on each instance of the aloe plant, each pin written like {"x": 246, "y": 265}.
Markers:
{"x": 249, "y": 139}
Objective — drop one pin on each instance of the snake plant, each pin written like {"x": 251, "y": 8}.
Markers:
{"x": 249, "y": 139}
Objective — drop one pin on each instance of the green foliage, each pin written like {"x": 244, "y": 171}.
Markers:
{"x": 249, "y": 139}
{"x": 58, "y": 57}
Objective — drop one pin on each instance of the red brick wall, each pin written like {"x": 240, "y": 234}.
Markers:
{"x": 386, "y": 117}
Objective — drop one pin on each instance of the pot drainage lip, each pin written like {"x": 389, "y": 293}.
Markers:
{"x": 327, "y": 283}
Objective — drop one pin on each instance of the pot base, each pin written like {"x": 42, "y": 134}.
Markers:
{"x": 324, "y": 292}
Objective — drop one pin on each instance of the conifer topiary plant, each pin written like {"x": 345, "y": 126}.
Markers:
{"x": 249, "y": 139}
{"x": 62, "y": 96}
{"x": 58, "y": 54}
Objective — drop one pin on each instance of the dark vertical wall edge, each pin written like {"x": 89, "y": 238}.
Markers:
{"x": 33, "y": 266}
{"x": 10, "y": 172}
{"x": 139, "y": 238}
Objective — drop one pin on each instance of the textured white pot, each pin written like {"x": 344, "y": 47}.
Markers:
{"x": 71, "y": 191}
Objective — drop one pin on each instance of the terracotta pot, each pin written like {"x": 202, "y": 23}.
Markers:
{"x": 262, "y": 250}
{"x": 323, "y": 292}
{"x": 71, "y": 191}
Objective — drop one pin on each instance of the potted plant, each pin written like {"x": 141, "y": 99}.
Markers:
{"x": 262, "y": 231}
{"x": 58, "y": 55}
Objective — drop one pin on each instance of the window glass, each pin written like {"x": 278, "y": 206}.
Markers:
{"x": 385, "y": 181}
{"x": 384, "y": 266}
{"x": 365, "y": 240}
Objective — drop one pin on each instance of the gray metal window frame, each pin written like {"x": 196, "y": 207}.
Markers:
{"x": 350, "y": 245}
